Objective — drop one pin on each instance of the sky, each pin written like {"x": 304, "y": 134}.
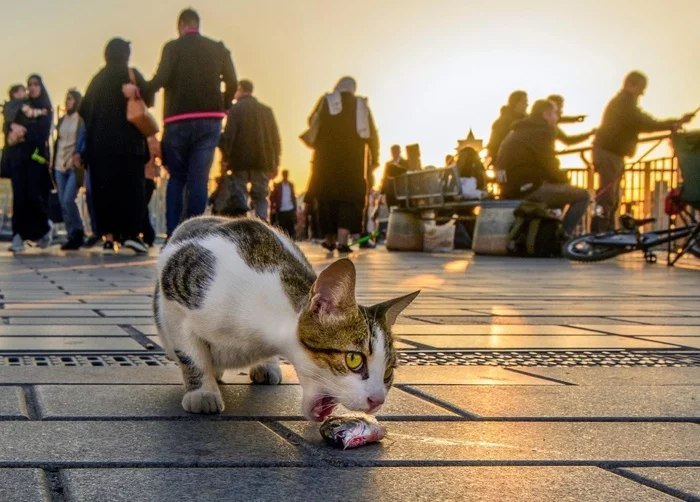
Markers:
{"x": 432, "y": 69}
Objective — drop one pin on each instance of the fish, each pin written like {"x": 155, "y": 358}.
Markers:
{"x": 351, "y": 431}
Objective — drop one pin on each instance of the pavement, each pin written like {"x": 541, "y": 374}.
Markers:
{"x": 521, "y": 379}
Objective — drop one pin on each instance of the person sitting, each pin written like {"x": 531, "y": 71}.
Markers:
{"x": 528, "y": 159}
{"x": 395, "y": 167}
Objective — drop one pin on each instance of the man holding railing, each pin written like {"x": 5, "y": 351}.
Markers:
{"x": 615, "y": 139}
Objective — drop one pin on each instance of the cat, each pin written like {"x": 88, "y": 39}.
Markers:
{"x": 237, "y": 293}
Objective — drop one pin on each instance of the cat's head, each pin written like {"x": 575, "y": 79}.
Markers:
{"x": 349, "y": 350}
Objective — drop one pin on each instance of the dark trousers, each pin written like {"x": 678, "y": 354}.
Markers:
{"x": 610, "y": 168}
{"x": 118, "y": 191}
{"x": 149, "y": 234}
{"x": 90, "y": 203}
{"x": 287, "y": 221}
{"x": 558, "y": 196}
{"x": 31, "y": 185}
{"x": 188, "y": 151}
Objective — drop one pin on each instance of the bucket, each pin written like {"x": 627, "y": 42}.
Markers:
{"x": 405, "y": 231}
{"x": 492, "y": 226}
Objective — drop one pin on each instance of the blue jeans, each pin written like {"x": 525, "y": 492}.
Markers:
{"x": 90, "y": 205}
{"x": 67, "y": 187}
{"x": 259, "y": 189}
{"x": 188, "y": 153}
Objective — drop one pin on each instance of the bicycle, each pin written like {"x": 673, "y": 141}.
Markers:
{"x": 681, "y": 203}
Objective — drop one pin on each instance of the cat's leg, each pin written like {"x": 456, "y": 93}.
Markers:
{"x": 219, "y": 374}
{"x": 202, "y": 394}
{"x": 268, "y": 373}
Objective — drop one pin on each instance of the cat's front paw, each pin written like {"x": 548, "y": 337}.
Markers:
{"x": 269, "y": 373}
{"x": 202, "y": 401}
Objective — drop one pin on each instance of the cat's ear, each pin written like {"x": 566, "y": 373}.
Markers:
{"x": 333, "y": 293}
{"x": 392, "y": 308}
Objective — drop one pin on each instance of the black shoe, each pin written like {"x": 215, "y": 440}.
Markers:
{"x": 329, "y": 247}
{"x": 344, "y": 249}
{"x": 136, "y": 244}
{"x": 91, "y": 241}
{"x": 72, "y": 245}
{"x": 108, "y": 248}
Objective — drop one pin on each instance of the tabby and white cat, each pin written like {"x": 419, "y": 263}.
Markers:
{"x": 237, "y": 293}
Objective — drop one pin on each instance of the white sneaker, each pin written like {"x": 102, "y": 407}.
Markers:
{"x": 47, "y": 239}
{"x": 17, "y": 244}
{"x": 137, "y": 245}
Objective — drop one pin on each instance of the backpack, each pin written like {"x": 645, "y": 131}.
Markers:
{"x": 535, "y": 232}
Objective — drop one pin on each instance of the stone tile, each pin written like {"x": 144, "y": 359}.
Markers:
{"x": 85, "y": 321}
{"x": 463, "y": 375}
{"x": 69, "y": 343}
{"x": 198, "y": 442}
{"x": 663, "y": 321}
{"x": 48, "y": 313}
{"x": 291, "y": 484}
{"x": 616, "y": 377}
{"x": 79, "y": 375}
{"x": 62, "y": 330}
{"x": 685, "y": 480}
{"x": 12, "y": 403}
{"x": 148, "y": 329}
{"x": 531, "y": 441}
{"x": 494, "y": 330}
{"x": 566, "y": 401}
{"x": 24, "y": 485}
{"x": 129, "y": 313}
{"x": 540, "y": 321}
{"x": 684, "y": 341}
{"x": 133, "y": 401}
{"x": 533, "y": 342}
{"x": 642, "y": 330}
{"x": 77, "y": 306}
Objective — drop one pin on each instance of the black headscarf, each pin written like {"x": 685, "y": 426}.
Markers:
{"x": 117, "y": 52}
{"x": 78, "y": 98}
{"x": 43, "y": 100}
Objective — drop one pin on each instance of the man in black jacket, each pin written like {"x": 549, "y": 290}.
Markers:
{"x": 515, "y": 110}
{"x": 251, "y": 146}
{"x": 617, "y": 138}
{"x": 191, "y": 70}
{"x": 528, "y": 158}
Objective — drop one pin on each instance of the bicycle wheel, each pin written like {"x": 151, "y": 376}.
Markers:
{"x": 581, "y": 249}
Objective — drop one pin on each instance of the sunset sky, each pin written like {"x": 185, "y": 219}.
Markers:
{"x": 431, "y": 69}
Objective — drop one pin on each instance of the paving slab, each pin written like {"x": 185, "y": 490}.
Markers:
{"x": 462, "y": 375}
{"x": 12, "y": 403}
{"x": 86, "y": 375}
{"x": 523, "y": 484}
{"x": 127, "y": 443}
{"x": 84, "y": 321}
{"x": 568, "y": 402}
{"x": 522, "y": 441}
{"x": 643, "y": 330}
{"x": 70, "y": 343}
{"x": 24, "y": 485}
{"x": 684, "y": 341}
{"x": 164, "y": 401}
{"x": 129, "y": 313}
{"x": 49, "y": 313}
{"x": 495, "y": 330}
{"x": 620, "y": 377}
{"x": 62, "y": 330}
{"x": 684, "y": 480}
{"x": 655, "y": 321}
{"x": 498, "y": 342}
{"x": 504, "y": 320}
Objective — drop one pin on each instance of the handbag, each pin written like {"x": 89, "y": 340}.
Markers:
{"x": 137, "y": 113}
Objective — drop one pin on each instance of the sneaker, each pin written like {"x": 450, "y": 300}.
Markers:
{"x": 136, "y": 244}
{"x": 108, "y": 248}
{"x": 72, "y": 245}
{"x": 329, "y": 247}
{"x": 47, "y": 239}
{"x": 344, "y": 249}
{"x": 17, "y": 244}
{"x": 91, "y": 241}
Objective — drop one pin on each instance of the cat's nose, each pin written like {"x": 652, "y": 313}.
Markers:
{"x": 374, "y": 402}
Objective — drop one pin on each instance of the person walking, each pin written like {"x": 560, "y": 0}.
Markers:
{"x": 66, "y": 165}
{"x": 252, "y": 147}
{"x": 284, "y": 205}
{"x": 31, "y": 181}
{"x": 616, "y": 138}
{"x": 191, "y": 70}
{"x": 116, "y": 151}
{"x": 342, "y": 131}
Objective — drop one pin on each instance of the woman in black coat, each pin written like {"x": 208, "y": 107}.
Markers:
{"x": 31, "y": 181}
{"x": 115, "y": 151}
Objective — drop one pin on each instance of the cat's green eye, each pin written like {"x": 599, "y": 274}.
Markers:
{"x": 355, "y": 361}
{"x": 388, "y": 373}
